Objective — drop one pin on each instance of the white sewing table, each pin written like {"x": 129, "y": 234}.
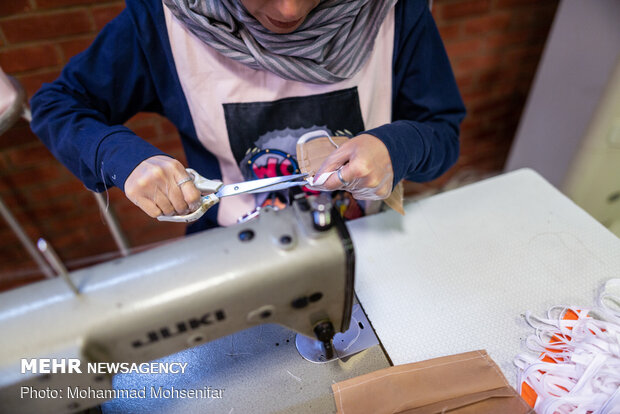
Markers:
{"x": 453, "y": 275}
{"x": 458, "y": 271}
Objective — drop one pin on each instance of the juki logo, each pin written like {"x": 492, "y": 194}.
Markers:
{"x": 179, "y": 328}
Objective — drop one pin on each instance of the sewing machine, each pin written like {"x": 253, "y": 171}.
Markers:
{"x": 292, "y": 267}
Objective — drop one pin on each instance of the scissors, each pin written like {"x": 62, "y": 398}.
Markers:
{"x": 217, "y": 190}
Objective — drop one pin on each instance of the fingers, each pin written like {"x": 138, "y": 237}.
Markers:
{"x": 335, "y": 183}
{"x": 365, "y": 169}
{"x": 336, "y": 159}
{"x": 379, "y": 192}
{"x": 191, "y": 195}
{"x": 153, "y": 186}
{"x": 148, "y": 206}
{"x": 164, "y": 203}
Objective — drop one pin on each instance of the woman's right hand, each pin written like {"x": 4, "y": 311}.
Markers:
{"x": 153, "y": 186}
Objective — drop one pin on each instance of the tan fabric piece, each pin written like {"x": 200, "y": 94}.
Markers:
{"x": 395, "y": 200}
{"x": 311, "y": 155}
{"x": 469, "y": 383}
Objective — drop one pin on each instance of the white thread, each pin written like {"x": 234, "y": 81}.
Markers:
{"x": 107, "y": 195}
{"x": 332, "y": 141}
{"x": 296, "y": 378}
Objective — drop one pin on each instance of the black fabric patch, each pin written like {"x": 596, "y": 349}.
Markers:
{"x": 248, "y": 123}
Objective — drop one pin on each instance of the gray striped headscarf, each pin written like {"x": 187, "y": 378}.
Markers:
{"x": 331, "y": 45}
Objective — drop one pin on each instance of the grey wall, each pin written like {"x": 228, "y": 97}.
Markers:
{"x": 579, "y": 58}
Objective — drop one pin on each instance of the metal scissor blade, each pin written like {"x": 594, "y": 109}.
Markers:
{"x": 278, "y": 187}
{"x": 262, "y": 185}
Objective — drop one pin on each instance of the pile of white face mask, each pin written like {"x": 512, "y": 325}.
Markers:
{"x": 584, "y": 376}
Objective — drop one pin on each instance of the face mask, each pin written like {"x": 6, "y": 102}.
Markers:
{"x": 314, "y": 147}
{"x": 609, "y": 300}
{"x": 574, "y": 363}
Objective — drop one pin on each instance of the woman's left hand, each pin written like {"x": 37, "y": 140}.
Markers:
{"x": 365, "y": 169}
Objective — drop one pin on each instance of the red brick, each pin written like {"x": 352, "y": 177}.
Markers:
{"x": 465, "y": 47}
{"x": 86, "y": 219}
{"x": 86, "y": 201}
{"x": 160, "y": 232}
{"x": 463, "y": 8}
{"x": 502, "y": 41}
{"x": 171, "y": 142}
{"x": 131, "y": 216}
{"x": 53, "y": 210}
{"x": 480, "y": 107}
{"x": 487, "y": 24}
{"x": 28, "y": 58}
{"x": 497, "y": 75}
{"x": 470, "y": 124}
{"x": 512, "y": 4}
{"x": 10, "y": 198}
{"x": 172, "y": 148}
{"x": 145, "y": 131}
{"x": 55, "y": 191}
{"x": 143, "y": 116}
{"x": 14, "y": 255}
{"x": 70, "y": 238}
{"x": 476, "y": 96}
{"x": 18, "y": 267}
{"x": 465, "y": 82}
{"x": 539, "y": 17}
{"x": 33, "y": 176}
{"x": 19, "y": 135}
{"x": 168, "y": 128}
{"x": 33, "y": 83}
{"x": 4, "y": 164}
{"x": 4, "y": 186}
{"x": 8, "y": 7}
{"x": 56, "y": 4}
{"x": 527, "y": 53}
{"x": 477, "y": 63}
{"x": 6, "y": 285}
{"x": 498, "y": 113}
{"x": 449, "y": 31}
{"x": 72, "y": 47}
{"x": 117, "y": 197}
{"x": 127, "y": 209}
{"x": 104, "y": 14}
{"x": 30, "y": 155}
{"x": 80, "y": 255}
{"x": 48, "y": 26}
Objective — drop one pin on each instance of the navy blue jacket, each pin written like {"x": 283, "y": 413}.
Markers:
{"x": 129, "y": 68}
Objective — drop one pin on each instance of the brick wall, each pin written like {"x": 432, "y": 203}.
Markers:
{"x": 494, "y": 47}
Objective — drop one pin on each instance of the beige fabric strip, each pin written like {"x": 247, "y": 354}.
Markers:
{"x": 465, "y": 383}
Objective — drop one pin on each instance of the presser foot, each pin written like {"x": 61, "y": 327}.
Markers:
{"x": 358, "y": 337}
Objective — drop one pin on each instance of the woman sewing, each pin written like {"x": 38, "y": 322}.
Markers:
{"x": 243, "y": 80}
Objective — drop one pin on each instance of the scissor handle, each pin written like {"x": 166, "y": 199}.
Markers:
{"x": 204, "y": 185}
{"x": 207, "y": 202}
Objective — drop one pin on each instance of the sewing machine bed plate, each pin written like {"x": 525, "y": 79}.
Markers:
{"x": 260, "y": 371}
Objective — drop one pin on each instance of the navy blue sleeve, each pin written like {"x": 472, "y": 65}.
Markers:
{"x": 79, "y": 116}
{"x": 423, "y": 139}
